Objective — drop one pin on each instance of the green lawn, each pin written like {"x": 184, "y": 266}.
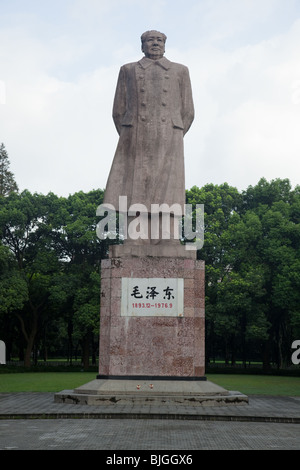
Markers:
{"x": 44, "y": 381}
{"x": 57, "y": 381}
{"x": 258, "y": 384}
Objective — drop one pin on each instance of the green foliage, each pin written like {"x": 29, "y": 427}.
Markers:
{"x": 50, "y": 272}
{"x": 252, "y": 254}
{"x": 13, "y": 288}
{"x": 7, "y": 180}
{"x": 56, "y": 254}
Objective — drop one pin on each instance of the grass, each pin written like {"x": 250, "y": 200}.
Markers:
{"x": 258, "y": 384}
{"x": 57, "y": 381}
{"x": 43, "y": 381}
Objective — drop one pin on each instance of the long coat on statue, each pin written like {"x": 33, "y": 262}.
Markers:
{"x": 153, "y": 109}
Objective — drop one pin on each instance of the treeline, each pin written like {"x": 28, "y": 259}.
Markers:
{"x": 252, "y": 255}
{"x": 50, "y": 272}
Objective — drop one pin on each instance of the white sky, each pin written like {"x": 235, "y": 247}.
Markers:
{"x": 59, "y": 63}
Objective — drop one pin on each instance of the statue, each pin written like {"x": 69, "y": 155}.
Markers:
{"x": 152, "y": 111}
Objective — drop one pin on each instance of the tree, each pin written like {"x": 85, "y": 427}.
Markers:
{"x": 278, "y": 209}
{"x": 87, "y": 313}
{"x": 252, "y": 255}
{"x": 221, "y": 203}
{"x": 7, "y": 181}
{"x": 13, "y": 288}
{"x": 57, "y": 253}
{"x": 76, "y": 292}
{"x": 13, "y": 295}
{"x": 50, "y": 271}
{"x": 26, "y": 232}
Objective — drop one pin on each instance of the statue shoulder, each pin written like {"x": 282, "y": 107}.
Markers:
{"x": 129, "y": 66}
{"x": 180, "y": 67}
{"x": 173, "y": 66}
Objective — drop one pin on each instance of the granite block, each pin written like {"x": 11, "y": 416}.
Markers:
{"x": 152, "y": 345}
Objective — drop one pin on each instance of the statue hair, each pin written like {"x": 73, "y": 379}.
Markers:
{"x": 146, "y": 33}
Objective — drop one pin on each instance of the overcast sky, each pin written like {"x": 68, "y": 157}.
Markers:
{"x": 59, "y": 63}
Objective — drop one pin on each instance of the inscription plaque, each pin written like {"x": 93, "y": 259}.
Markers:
{"x": 152, "y": 297}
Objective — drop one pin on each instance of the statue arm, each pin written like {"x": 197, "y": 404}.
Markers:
{"x": 187, "y": 101}
{"x": 119, "y": 106}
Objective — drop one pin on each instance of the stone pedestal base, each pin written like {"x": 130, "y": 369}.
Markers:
{"x": 155, "y": 392}
{"x": 145, "y": 337}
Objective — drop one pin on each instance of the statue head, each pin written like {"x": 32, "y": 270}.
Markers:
{"x": 153, "y": 44}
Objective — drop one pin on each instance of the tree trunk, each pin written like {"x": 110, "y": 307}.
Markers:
{"x": 29, "y": 348}
{"x": 93, "y": 351}
{"x": 70, "y": 342}
{"x": 85, "y": 352}
{"x": 266, "y": 356}
{"x": 29, "y": 338}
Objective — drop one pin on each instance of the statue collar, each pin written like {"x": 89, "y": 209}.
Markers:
{"x": 163, "y": 62}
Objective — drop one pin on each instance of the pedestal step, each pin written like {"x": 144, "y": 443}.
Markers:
{"x": 121, "y": 392}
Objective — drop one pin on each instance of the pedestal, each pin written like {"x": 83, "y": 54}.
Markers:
{"x": 152, "y": 318}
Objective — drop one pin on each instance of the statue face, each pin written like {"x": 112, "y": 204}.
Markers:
{"x": 154, "y": 46}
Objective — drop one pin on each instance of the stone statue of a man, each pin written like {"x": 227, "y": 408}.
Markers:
{"x": 152, "y": 111}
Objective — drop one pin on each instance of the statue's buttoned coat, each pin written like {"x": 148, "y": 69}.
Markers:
{"x": 153, "y": 109}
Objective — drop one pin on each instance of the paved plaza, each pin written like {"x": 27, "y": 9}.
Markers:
{"x": 32, "y": 421}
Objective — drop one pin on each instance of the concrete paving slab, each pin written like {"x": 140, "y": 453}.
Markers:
{"x": 146, "y": 437}
{"x": 33, "y": 421}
